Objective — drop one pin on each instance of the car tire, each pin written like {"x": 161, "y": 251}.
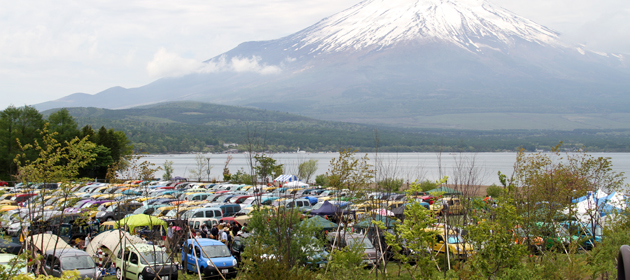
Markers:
{"x": 119, "y": 274}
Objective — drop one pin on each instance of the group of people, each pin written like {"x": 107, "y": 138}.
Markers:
{"x": 224, "y": 232}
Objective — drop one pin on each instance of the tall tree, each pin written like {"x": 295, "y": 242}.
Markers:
{"x": 17, "y": 123}
{"x": 64, "y": 125}
{"x": 307, "y": 169}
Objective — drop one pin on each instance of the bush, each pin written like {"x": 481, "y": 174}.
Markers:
{"x": 321, "y": 180}
{"x": 494, "y": 191}
{"x": 391, "y": 184}
{"x": 427, "y": 185}
{"x": 241, "y": 178}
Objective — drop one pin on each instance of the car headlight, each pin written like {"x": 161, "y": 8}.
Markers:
{"x": 209, "y": 263}
{"x": 234, "y": 262}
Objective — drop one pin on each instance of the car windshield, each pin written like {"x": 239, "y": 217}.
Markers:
{"x": 140, "y": 210}
{"x": 77, "y": 262}
{"x": 110, "y": 208}
{"x": 158, "y": 257}
{"x": 171, "y": 213}
{"x": 50, "y": 201}
{"x": 360, "y": 241}
{"x": 216, "y": 251}
{"x": 454, "y": 239}
{"x": 87, "y": 205}
{"x": 249, "y": 200}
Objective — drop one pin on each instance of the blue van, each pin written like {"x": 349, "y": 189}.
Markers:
{"x": 211, "y": 256}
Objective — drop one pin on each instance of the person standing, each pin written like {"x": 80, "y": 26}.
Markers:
{"x": 214, "y": 232}
{"x": 88, "y": 238}
{"x": 204, "y": 231}
{"x": 169, "y": 237}
{"x": 224, "y": 236}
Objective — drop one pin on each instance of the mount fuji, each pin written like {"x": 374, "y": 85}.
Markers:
{"x": 396, "y": 62}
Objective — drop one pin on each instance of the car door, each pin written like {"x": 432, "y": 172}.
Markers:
{"x": 192, "y": 260}
{"x": 56, "y": 267}
{"x": 48, "y": 264}
{"x": 132, "y": 265}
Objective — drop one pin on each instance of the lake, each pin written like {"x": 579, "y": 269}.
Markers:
{"x": 409, "y": 166}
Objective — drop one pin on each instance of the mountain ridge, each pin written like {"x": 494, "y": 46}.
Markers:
{"x": 323, "y": 72}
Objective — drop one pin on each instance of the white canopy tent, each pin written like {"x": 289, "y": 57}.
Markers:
{"x": 595, "y": 208}
{"x": 295, "y": 184}
{"x": 111, "y": 241}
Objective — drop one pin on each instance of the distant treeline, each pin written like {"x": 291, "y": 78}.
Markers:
{"x": 196, "y": 127}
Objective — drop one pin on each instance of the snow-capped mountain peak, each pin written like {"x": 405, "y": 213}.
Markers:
{"x": 470, "y": 24}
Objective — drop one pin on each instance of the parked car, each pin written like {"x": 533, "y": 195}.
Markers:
{"x": 213, "y": 212}
{"x": 371, "y": 256}
{"x": 142, "y": 261}
{"x": 59, "y": 260}
{"x": 117, "y": 211}
{"x": 229, "y": 210}
{"x": 210, "y": 256}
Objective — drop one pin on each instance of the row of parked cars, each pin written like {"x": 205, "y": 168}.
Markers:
{"x": 194, "y": 203}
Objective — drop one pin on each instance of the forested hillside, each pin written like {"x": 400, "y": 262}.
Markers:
{"x": 192, "y": 126}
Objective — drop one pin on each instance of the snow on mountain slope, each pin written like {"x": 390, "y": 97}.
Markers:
{"x": 470, "y": 24}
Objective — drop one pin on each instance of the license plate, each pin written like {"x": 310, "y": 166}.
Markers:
{"x": 224, "y": 271}
{"x": 164, "y": 277}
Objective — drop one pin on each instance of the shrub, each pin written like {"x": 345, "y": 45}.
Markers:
{"x": 494, "y": 191}
{"x": 427, "y": 185}
{"x": 321, "y": 180}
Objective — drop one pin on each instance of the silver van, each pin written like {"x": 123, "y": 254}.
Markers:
{"x": 213, "y": 212}
{"x": 60, "y": 260}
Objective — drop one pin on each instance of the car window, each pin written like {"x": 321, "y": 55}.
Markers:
{"x": 217, "y": 213}
{"x": 290, "y": 204}
{"x": 209, "y": 214}
{"x": 196, "y": 225}
{"x": 197, "y": 251}
{"x": 126, "y": 257}
{"x": 299, "y": 204}
{"x": 133, "y": 258}
{"x": 198, "y": 214}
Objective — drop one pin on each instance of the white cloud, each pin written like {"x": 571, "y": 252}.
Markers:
{"x": 165, "y": 64}
{"x": 239, "y": 64}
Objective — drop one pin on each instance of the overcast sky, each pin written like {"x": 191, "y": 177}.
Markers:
{"x": 50, "y": 49}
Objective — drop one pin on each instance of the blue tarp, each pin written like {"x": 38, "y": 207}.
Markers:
{"x": 311, "y": 199}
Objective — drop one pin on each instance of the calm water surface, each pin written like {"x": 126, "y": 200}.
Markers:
{"x": 409, "y": 166}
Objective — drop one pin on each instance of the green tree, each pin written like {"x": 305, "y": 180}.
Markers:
{"x": 168, "y": 170}
{"x": 266, "y": 166}
{"x": 280, "y": 244}
{"x": 307, "y": 169}
{"x": 349, "y": 172}
{"x": 17, "y": 123}
{"x": 410, "y": 239}
{"x": 64, "y": 124}
{"x": 494, "y": 237}
{"x": 200, "y": 167}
